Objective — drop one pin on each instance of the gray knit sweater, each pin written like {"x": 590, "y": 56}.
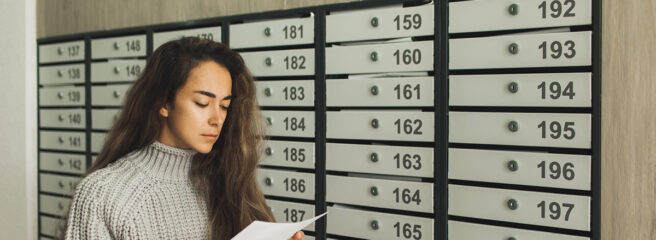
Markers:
{"x": 143, "y": 195}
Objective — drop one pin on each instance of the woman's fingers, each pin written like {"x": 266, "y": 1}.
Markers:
{"x": 298, "y": 236}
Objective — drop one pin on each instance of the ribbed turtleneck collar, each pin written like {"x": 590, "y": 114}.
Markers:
{"x": 165, "y": 162}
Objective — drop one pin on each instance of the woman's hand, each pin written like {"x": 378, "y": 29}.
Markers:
{"x": 298, "y": 236}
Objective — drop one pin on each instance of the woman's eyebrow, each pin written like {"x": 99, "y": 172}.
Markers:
{"x": 209, "y": 94}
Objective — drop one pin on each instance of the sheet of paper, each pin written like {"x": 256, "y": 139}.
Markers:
{"x": 258, "y": 230}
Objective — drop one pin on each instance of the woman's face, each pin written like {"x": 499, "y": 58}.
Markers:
{"x": 200, "y": 108}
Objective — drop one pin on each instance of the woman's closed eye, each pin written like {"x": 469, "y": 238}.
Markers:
{"x": 201, "y": 105}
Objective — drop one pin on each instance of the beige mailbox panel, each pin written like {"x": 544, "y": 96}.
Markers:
{"x": 380, "y": 159}
{"x": 381, "y": 125}
{"x": 391, "y": 22}
{"x": 288, "y": 154}
{"x": 494, "y": 15}
{"x": 535, "y": 208}
{"x": 382, "y": 193}
{"x": 286, "y": 183}
{"x": 129, "y": 46}
{"x": 521, "y": 51}
{"x": 539, "y": 169}
{"x": 374, "y": 225}
{"x": 282, "y": 32}
{"x": 62, "y": 52}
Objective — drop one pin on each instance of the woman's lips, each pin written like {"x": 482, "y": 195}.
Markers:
{"x": 210, "y": 136}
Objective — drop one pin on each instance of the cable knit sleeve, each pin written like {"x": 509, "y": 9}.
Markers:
{"x": 85, "y": 220}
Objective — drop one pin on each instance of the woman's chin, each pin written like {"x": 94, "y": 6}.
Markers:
{"x": 204, "y": 147}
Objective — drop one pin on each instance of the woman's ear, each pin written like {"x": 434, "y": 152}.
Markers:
{"x": 164, "y": 110}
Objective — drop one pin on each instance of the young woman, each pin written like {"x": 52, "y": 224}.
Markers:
{"x": 180, "y": 161}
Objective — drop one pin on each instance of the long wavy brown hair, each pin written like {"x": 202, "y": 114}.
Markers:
{"x": 226, "y": 175}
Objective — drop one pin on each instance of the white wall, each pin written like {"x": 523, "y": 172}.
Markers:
{"x": 18, "y": 169}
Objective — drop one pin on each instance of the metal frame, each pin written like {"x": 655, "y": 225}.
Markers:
{"x": 441, "y": 92}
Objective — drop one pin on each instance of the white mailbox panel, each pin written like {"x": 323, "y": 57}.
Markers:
{"x": 211, "y": 33}
{"x": 373, "y": 225}
{"x": 289, "y": 123}
{"x": 522, "y": 168}
{"x": 392, "y": 22}
{"x": 380, "y": 159}
{"x": 117, "y": 70}
{"x": 381, "y": 125}
{"x": 53, "y": 205}
{"x": 563, "y": 49}
{"x": 58, "y": 184}
{"x": 285, "y": 93}
{"x": 129, "y": 46}
{"x": 382, "y": 193}
{"x": 97, "y": 141}
{"x": 62, "y": 96}
{"x": 521, "y": 90}
{"x": 566, "y": 130}
{"x": 494, "y": 15}
{"x": 291, "y": 212}
{"x": 62, "y": 74}
{"x": 62, "y": 140}
{"x": 61, "y": 52}
{"x": 379, "y": 92}
{"x": 269, "y": 33}
{"x": 62, "y": 118}
{"x": 468, "y": 231}
{"x": 288, "y": 154}
{"x": 109, "y": 95}
{"x": 387, "y": 57}
{"x": 280, "y": 62}
{"x": 286, "y": 183}
{"x": 49, "y": 225}
{"x": 62, "y": 162}
{"x": 103, "y": 119}
{"x": 535, "y": 208}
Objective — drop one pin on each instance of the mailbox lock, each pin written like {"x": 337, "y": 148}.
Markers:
{"x": 268, "y": 151}
{"x": 268, "y": 61}
{"x": 513, "y": 126}
{"x": 116, "y": 46}
{"x": 513, "y": 87}
{"x": 374, "y": 90}
{"x": 513, "y": 9}
{"x": 374, "y": 22}
{"x": 374, "y": 225}
{"x": 373, "y": 56}
{"x": 512, "y": 165}
{"x": 373, "y": 191}
{"x": 117, "y": 93}
{"x": 512, "y": 204}
{"x": 60, "y": 51}
{"x": 267, "y": 31}
{"x": 269, "y": 121}
{"x": 513, "y": 48}
{"x": 267, "y": 92}
{"x": 117, "y": 70}
{"x": 373, "y": 157}
{"x": 268, "y": 181}
{"x": 60, "y": 73}
{"x": 374, "y": 123}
